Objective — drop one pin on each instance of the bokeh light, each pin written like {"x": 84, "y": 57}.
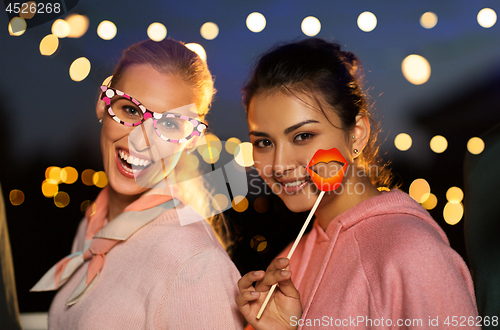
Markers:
{"x": 232, "y": 144}
{"x": 78, "y": 25}
{"x": 259, "y": 243}
{"x": 99, "y": 179}
{"x": 29, "y": 11}
{"x": 475, "y": 145}
{"x": 209, "y": 31}
{"x": 428, "y": 20}
{"x": 49, "y": 188}
{"x": 79, "y": 69}
{"x": 69, "y": 175}
{"x": 16, "y": 197}
{"x": 240, "y": 203}
{"x": 87, "y": 177}
{"x": 243, "y": 154}
{"x": 310, "y": 26}
{"x": 107, "y": 80}
{"x": 210, "y": 155}
{"x": 261, "y": 205}
{"x": 420, "y": 190}
{"x": 53, "y": 173}
{"x": 61, "y": 199}
{"x": 85, "y": 205}
{"x": 198, "y": 49}
{"x": 487, "y": 17}
{"x": 416, "y": 69}
{"x": 190, "y": 161}
{"x": 60, "y": 28}
{"x": 454, "y": 195}
{"x": 220, "y": 202}
{"x": 367, "y": 21}
{"x": 49, "y": 45}
{"x": 106, "y": 30}
{"x": 211, "y": 140}
{"x": 256, "y": 22}
{"x": 403, "y": 141}
{"x": 17, "y": 26}
{"x": 453, "y": 213}
{"x": 157, "y": 31}
{"x": 431, "y": 202}
{"x": 438, "y": 144}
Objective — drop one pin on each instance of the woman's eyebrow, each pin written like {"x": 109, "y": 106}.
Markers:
{"x": 255, "y": 133}
{"x": 296, "y": 126}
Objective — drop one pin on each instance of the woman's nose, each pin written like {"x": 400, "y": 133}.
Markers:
{"x": 283, "y": 161}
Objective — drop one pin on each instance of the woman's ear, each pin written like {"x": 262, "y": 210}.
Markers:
{"x": 360, "y": 135}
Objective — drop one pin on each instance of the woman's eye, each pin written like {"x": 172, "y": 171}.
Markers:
{"x": 303, "y": 137}
{"x": 169, "y": 124}
{"x": 131, "y": 111}
{"x": 262, "y": 143}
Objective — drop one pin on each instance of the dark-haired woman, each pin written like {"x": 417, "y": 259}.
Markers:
{"x": 374, "y": 258}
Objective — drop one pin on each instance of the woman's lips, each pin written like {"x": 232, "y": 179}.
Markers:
{"x": 295, "y": 185}
{"x": 129, "y": 165}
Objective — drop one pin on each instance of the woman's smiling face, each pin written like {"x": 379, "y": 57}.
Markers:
{"x": 285, "y": 133}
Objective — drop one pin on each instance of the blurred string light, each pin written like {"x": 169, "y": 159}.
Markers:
{"x": 453, "y": 213}
{"x": 53, "y": 173}
{"x": 16, "y": 197}
{"x": 403, "y": 141}
{"x": 420, "y": 190}
{"x": 416, "y": 69}
{"x": 49, "y": 188}
{"x": 49, "y": 44}
{"x": 87, "y": 177}
{"x": 157, "y": 31}
{"x": 454, "y": 195}
{"x": 30, "y": 11}
{"x": 99, "y": 179}
{"x": 487, "y": 17}
{"x": 428, "y": 20}
{"x": 232, "y": 144}
{"x": 78, "y": 25}
{"x": 209, "y": 31}
{"x": 198, "y": 49}
{"x": 243, "y": 154}
{"x": 60, "y": 28}
{"x": 79, "y": 69}
{"x": 106, "y": 30}
{"x": 475, "y": 145}
{"x": 259, "y": 243}
{"x": 220, "y": 202}
{"x": 256, "y": 22}
{"x": 69, "y": 175}
{"x": 85, "y": 205}
{"x": 61, "y": 199}
{"x": 310, "y": 26}
{"x": 240, "y": 203}
{"x": 210, "y": 151}
{"x": 367, "y": 21}
{"x": 17, "y": 26}
{"x": 107, "y": 80}
{"x": 438, "y": 144}
{"x": 261, "y": 205}
{"x": 431, "y": 202}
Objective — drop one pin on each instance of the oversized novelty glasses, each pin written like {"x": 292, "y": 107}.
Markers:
{"x": 127, "y": 111}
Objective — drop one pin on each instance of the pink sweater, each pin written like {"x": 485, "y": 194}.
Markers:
{"x": 165, "y": 276}
{"x": 384, "y": 261}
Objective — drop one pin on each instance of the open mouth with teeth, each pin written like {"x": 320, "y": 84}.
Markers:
{"x": 131, "y": 164}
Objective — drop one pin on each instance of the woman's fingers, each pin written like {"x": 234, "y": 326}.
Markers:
{"x": 276, "y": 272}
{"x": 246, "y": 282}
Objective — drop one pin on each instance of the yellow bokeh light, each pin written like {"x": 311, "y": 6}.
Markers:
{"x": 54, "y": 174}
{"x": 256, "y": 22}
{"x": 431, "y": 202}
{"x": 28, "y": 11}
{"x": 60, "y": 28}
{"x": 87, "y": 177}
{"x": 61, "y": 199}
{"x": 475, "y": 145}
{"x": 487, "y": 17}
{"x": 99, "y": 179}
{"x": 428, "y": 20}
{"x": 310, "y": 26}
{"x": 261, "y": 205}
{"x": 79, "y": 69}
{"x": 157, "y": 31}
{"x": 210, "y": 155}
{"x": 220, "y": 202}
{"x": 16, "y": 197}
{"x": 258, "y": 243}
{"x": 107, "y": 80}
{"x": 454, "y": 195}
{"x": 403, "y": 141}
{"x": 453, "y": 213}
{"x": 367, "y": 21}
{"x": 69, "y": 175}
{"x": 106, "y": 30}
{"x": 420, "y": 190}
{"x": 49, "y": 188}
{"x": 190, "y": 162}
{"x": 85, "y": 205}
{"x": 211, "y": 140}
{"x": 438, "y": 144}
{"x": 416, "y": 69}
{"x": 17, "y": 26}
{"x": 78, "y": 25}
{"x": 198, "y": 49}
{"x": 49, "y": 45}
{"x": 240, "y": 203}
{"x": 209, "y": 31}
{"x": 231, "y": 145}
{"x": 243, "y": 154}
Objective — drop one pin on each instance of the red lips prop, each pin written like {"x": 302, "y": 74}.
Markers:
{"x": 327, "y": 156}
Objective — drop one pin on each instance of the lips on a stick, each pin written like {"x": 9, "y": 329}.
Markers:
{"x": 326, "y": 169}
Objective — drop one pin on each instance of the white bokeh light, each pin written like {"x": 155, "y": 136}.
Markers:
{"x": 256, "y": 22}
{"x": 310, "y": 26}
{"x": 157, "y": 31}
{"x": 487, "y": 17}
{"x": 106, "y": 30}
{"x": 209, "y": 31}
{"x": 367, "y": 21}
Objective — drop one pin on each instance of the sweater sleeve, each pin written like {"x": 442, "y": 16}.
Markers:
{"x": 202, "y": 295}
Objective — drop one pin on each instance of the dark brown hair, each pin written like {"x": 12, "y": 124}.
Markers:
{"x": 332, "y": 77}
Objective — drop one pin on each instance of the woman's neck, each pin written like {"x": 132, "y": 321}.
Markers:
{"x": 356, "y": 189}
{"x": 118, "y": 202}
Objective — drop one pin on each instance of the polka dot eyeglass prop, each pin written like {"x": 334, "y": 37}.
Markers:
{"x": 126, "y": 110}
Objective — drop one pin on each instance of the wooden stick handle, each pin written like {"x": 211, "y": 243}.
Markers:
{"x": 292, "y": 250}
